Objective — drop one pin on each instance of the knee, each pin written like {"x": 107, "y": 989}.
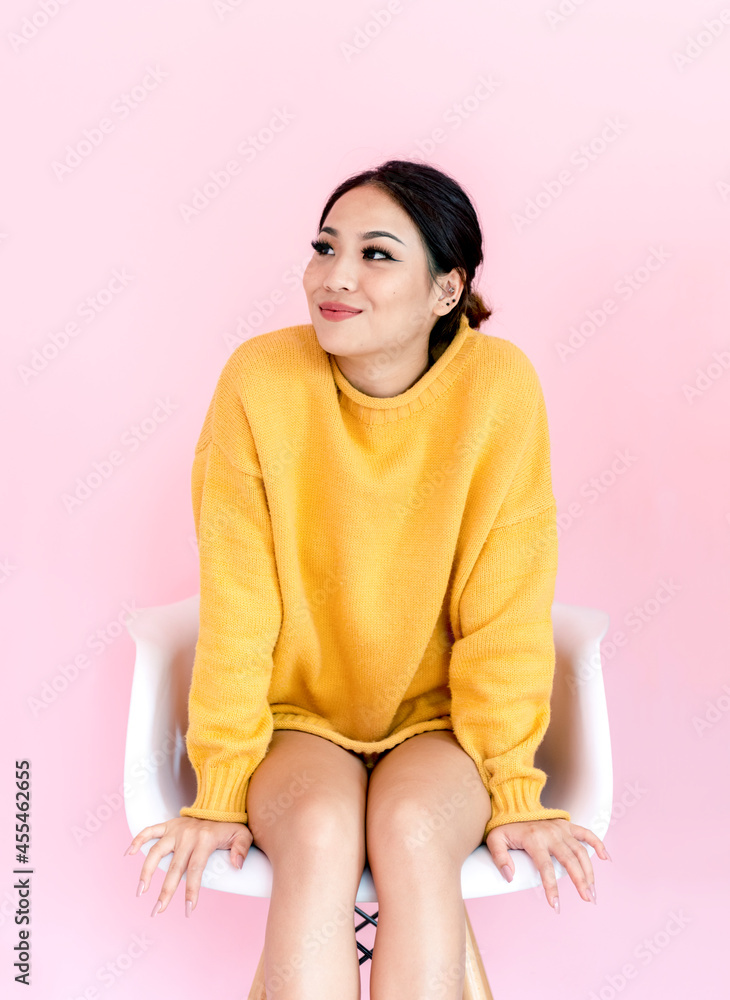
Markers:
{"x": 409, "y": 832}
{"x": 313, "y": 826}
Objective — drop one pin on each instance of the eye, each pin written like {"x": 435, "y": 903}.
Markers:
{"x": 375, "y": 249}
{"x": 322, "y": 246}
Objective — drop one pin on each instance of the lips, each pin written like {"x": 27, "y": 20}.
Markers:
{"x": 338, "y": 307}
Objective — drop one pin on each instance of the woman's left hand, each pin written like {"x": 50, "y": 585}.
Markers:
{"x": 541, "y": 838}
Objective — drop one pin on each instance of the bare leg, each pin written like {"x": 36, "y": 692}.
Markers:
{"x": 427, "y": 809}
{"x": 306, "y": 805}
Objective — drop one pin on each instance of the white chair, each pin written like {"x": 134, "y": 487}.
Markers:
{"x": 159, "y": 780}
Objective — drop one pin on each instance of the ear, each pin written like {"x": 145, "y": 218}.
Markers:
{"x": 452, "y": 288}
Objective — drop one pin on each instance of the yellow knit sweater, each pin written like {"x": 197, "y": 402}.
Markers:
{"x": 372, "y": 568}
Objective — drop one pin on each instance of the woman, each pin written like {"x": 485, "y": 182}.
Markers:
{"x": 378, "y": 550}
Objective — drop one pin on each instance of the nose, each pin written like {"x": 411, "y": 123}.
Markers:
{"x": 340, "y": 276}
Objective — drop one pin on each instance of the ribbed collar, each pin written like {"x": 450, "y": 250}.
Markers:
{"x": 442, "y": 374}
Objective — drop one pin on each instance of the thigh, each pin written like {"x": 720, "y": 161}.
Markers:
{"x": 426, "y": 796}
{"x": 307, "y": 793}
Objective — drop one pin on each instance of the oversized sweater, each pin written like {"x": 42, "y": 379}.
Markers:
{"x": 373, "y": 568}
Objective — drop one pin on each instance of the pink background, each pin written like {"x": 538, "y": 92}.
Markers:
{"x": 349, "y": 93}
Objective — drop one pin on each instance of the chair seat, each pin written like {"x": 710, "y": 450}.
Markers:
{"x": 159, "y": 780}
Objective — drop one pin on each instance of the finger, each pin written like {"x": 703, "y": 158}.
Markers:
{"x": 164, "y": 845}
{"x": 544, "y": 864}
{"x": 240, "y": 847}
{"x": 199, "y": 859}
{"x": 569, "y": 857}
{"x": 180, "y": 859}
{"x": 585, "y": 862}
{"x": 149, "y": 833}
{"x": 501, "y": 858}
{"x": 581, "y": 833}
{"x": 238, "y": 855}
{"x": 196, "y": 866}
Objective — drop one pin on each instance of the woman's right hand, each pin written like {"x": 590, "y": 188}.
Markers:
{"x": 192, "y": 841}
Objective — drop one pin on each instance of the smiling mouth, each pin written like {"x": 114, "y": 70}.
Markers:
{"x": 334, "y": 314}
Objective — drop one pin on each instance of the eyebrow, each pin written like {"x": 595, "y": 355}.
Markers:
{"x": 363, "y": 236}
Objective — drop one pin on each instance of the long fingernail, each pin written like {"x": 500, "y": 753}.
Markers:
{"x": 592, "y": 890}
{"x": 506, "y": 871}
{"x": 556, "y": 904}
{"x": 140, "y": 887}
{"x": 127, "y": 851}
{"x": 608, "y": 856}
{"x": 188, "y": 907}
{"x": 158, "y": 907}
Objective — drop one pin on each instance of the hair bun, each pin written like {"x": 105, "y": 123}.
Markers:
{"x": 476, "y": 310}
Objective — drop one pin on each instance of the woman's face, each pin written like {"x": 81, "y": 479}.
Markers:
{"x": 384, "y": 277}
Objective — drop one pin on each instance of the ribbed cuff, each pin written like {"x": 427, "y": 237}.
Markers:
{"x": 222, "y": 793}
{"x": 518, "y": 801}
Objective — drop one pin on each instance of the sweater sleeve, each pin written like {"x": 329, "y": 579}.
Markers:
{"x": 502, "y": 666}
{"x": 229, "y": 718}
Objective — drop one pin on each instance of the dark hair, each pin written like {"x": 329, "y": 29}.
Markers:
{"x": 447, "y": 221}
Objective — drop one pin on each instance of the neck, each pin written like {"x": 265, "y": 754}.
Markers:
{"x": 373, "y": 378}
